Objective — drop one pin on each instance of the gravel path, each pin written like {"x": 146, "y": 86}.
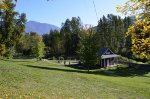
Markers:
{"x": 61, "y": 63}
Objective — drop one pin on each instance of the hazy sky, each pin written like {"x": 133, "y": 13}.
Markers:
{"x": 57, "y": 11}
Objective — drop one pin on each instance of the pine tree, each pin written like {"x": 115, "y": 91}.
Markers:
{"x": 127, "y": 50}
{"x": 70, "y": 33}
{"x": 111, "y": 33}
{"x": 66, "y": 37}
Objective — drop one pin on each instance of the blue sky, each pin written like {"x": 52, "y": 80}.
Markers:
{"x": 57, "y": 11}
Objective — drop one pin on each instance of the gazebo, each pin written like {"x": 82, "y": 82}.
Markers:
{"x": 108, "y": 58}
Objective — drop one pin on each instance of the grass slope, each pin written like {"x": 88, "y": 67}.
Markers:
{"x": 31, "y": 79}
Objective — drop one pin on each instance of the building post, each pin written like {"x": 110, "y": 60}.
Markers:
{"x": 104, "y": 62}
{"x": 101, "y": 62}
{"x": 117, "y": 60}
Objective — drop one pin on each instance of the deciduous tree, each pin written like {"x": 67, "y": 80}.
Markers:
{"x": 89, "y": 51}
{"x": 140, "y": 31}
{"x": 38, "y": 47}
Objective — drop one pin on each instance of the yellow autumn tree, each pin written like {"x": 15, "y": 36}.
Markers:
{"x": 140, "y": 31}
{"x": 3, "y": 5}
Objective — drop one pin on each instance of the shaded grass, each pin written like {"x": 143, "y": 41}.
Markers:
{"x": 31, "y": 79}
{"x": 123, "y": 71}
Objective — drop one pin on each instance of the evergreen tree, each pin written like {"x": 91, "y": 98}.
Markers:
{"x": 127, "y": 50}
{"x": 55, "y": 42}
{"x": 111, "y": 32}
{"x": 101, "y": 34}
{"x": 120, "y": 35}
{"x": 70, "y": 33}
{"x": 11, "y": 27}
{"x": 66, "y": 37}
{"x": 8, "y": 27}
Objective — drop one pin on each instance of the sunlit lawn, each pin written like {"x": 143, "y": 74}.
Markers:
{"x": 31, "y": 79}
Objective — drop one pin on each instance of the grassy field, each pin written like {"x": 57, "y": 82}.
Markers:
{"x": 30, "y": 79}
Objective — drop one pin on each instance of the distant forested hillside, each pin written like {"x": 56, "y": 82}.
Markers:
{"x": 40, "y": 28}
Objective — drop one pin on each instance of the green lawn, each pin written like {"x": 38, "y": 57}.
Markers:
{"x": 30, "y": 79}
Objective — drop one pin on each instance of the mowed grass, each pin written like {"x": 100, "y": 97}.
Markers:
{"x": 30, "y": 79}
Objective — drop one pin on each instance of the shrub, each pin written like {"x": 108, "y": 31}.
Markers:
{"x": 2, "y": 49}
{"x": 61, "y": 58}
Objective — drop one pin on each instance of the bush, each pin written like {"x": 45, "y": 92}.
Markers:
{"x": 61, "y": 58}
{"x": 10, "y": 53}
{"x": 2, "y": 49}
{"x": 53, "y": 58}
{"x": 148, "y": 62}
{"x": 50, "y": 59}
{"x": 123, "y": 59}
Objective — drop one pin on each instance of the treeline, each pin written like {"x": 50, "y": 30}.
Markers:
{"x": 68, "y": 42}
{"x": 111, "y": 31}
{"x": 65, "y": 42}
{"x": 30, "y": 45}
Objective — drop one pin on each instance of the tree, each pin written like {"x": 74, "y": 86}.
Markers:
{"x": 70, "y": 34}
{"x": 31, "y": 45}
{"x": 140, "y": 31}
{"x": 12, "y": 25}
{"x": 128, "y": 43}
{"x": 110, "y": 30}
{"x": 140, "y": 39}
{"x": 19, "y": 27}
{"x": 8, "y": 26}
{"x": 76, "y": 26}
{"x": 38, "y": 46}
{"x": 135, "y": 7}
{"x": 66, "y": 37}
{"x": 53, "y": 43}
{"x": 89, "y": 48}
{"x": 120, "y": 35}
{"x": 46, "y": 40}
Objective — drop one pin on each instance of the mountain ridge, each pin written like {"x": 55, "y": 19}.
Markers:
{"x": 40, "y": 28}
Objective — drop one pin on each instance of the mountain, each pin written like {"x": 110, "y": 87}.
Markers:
{"x": 40, "y": 28}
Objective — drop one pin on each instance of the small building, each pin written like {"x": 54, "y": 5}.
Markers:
{"x": 108, "y": 58}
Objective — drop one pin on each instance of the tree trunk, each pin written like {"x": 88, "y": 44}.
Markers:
{"x": 37, "y": 59}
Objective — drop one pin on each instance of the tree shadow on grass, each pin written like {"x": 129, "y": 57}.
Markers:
{"x": 83, "y": 67}
{"x": 125, "y": 71}
{"x": 56, "y": 69}
{"x": 13, "y": 60}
